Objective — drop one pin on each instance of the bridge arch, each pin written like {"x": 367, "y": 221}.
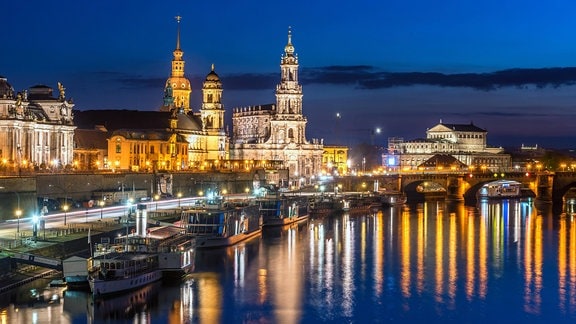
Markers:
{"x": 565, "y": 192}
{"x": 420, "y": 190}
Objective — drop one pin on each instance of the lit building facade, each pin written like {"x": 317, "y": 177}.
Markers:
{"x": 335, "y": 159}
{"x": 465, "y": 142}
{"x": 174, "y": 138}
{"x": 278, "y": 131}
{"x": 36, "y": 128}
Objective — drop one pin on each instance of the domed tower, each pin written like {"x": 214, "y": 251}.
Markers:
{"x": 289, "y": 124}
{"x": 181, "y": 88}
{"x": 212, "y": 115}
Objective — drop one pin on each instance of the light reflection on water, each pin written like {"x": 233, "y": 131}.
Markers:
{"x": 433, "y": 262}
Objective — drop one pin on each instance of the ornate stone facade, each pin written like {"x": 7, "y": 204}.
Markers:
{"x": 177, "y": 90}
{"x": 176, "y": 137}
{"x": 278, "y": 131}
{"x": 36, "y": 129}
{"x": 465, "y": 142}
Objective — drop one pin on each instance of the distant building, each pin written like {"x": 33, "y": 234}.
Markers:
{"x": 464, "y": 142}
{"x": 90, "y": 148}
{"x": 277, "y": 131}
{"x": 36, "y": 128}
{"x": 335, "y": 159}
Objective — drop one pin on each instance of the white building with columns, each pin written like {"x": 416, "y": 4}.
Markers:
{"x": 36, "y": 128}
{"x": 467, "y": 143}
{"x": 277, "y": 132}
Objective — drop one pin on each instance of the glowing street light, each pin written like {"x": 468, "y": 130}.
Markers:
{"x": 65, "y": 208}
{"x": 18, "y": 214}
{"x": 101, "y": 204}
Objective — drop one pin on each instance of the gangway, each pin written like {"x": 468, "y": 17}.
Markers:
{"x": 37, "y": 260}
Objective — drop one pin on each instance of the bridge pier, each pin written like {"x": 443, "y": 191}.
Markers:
{"x": 455, "y": 188}
{"x": 544, "y": 185}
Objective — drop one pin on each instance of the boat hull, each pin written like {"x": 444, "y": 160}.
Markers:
{"x": 283, "y": 210}
{"x": 214, "y": 242}
{"x": 101, "y": 287}
{"x": 284, "y": 221}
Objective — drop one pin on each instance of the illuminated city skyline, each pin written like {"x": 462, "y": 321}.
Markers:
{"x": 356, "y": 59}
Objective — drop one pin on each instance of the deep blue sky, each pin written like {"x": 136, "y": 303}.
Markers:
{"x": 398, "y": 65}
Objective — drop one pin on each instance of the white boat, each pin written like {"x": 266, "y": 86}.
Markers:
{"x": 217, "y": 222}
{"x": 140, "y": 258}
{"x": 500, "y": 189}
{"x": 121, "y": 272}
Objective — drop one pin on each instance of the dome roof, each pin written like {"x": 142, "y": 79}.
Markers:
{"x": 6, "y": 90}
{"x": 212, "y": 76}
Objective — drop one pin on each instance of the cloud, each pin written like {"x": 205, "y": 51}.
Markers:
{"x": 369, "y": 77}
{"x": 250, "y": 81}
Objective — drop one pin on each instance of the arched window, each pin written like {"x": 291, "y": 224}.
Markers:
{"x": 291, "y": 133}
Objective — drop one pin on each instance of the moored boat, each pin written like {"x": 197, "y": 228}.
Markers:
{"x": 218, "y": 223}
{"x": 138, "y": 259}
{"x": 501, "y": 189}
{"x": 390, "y": 199}
{"x": 324, "y": 205}
{"x": 283, "y": 210}
{"x": 360, "y": 204}
{"x": 121, "y": 272}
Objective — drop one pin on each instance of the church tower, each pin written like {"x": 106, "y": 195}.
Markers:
{"x": 177, "y": 90}
{"x": 212, "y": 115}
{"x": 289, "y": 125}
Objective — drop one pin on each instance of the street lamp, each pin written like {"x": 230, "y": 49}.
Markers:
{"x": 101, "y": 204}
{"x": 179, "y": 195}
{"x": 35, "y": 220}
{"x": 18, "y": 214}
{"x": 65, "y": 208}
{"x": 156, "y": 197}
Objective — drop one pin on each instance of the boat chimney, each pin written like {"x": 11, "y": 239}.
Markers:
{"x": 141, "y": 220}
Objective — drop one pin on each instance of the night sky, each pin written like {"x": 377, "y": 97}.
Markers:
{"x": 402, "y": 66}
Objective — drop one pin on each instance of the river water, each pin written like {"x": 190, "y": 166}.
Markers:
{"x": 433, "y": 262}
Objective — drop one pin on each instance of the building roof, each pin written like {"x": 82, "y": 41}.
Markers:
{"x": 458, "y": 127}
{"x": 134, "y": 119}
{"x": 150, "y": 135}
{"x": 443, "y": 160}
{"x": 90, "y": 139}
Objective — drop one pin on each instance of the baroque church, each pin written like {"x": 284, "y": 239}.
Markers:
{"x": 36, "y": 128}
{"x": 277, "y": 131}
{"x": 178, "y": 138}
{"x": 173, "y": 138}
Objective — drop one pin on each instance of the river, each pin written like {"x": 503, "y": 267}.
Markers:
{"x": 433, "y": 262}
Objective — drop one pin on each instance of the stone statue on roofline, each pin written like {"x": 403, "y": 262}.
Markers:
{"x": 62, "y": 90}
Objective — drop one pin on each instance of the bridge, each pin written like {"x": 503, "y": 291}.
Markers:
{"x": 546, "y": 186}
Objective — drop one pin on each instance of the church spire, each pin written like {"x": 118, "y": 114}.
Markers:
{"x": 289, "y": 49}
{"x": 178, "y": 18}
{"x": 177, "y": 84}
